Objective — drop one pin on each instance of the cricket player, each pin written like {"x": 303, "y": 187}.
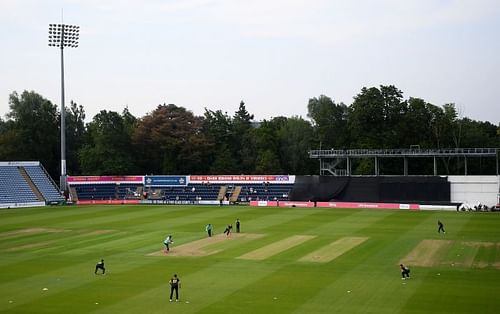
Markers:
{"x": 405, "y": 271}
{"x": 167, "y": 242}
{"x": 228, "y": 229}
{"x": 237, "y": 225}
{"x": 175, "y": 284}
{"x": 209, "y": 228}
{"x": 440, "y": 227}
{"x": 100, "y": 265}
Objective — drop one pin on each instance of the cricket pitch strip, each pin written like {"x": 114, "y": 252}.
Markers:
{"x": 201, "y": 247}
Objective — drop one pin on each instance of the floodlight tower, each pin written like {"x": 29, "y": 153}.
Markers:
{"x": 63, "y": 35}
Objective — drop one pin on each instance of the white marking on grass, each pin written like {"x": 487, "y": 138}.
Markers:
{"x": 45, "y": 289}
{"x": 333, "y": 250}
{"x": 276, "y": 247}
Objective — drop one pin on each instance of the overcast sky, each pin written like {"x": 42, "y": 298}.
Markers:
{"x": 273, "y": 54}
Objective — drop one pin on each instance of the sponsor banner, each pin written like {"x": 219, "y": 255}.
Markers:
{"x": 243, "y": 179}
{"x": 295, "y": 204}
{"x": 281, "y": 204}
{"x": 212, "y": 202}
{"x": 367, "y": 205}
{"x": 18, "y": 205}
{"x": 264, "y": 203}
{"x": 159, "y": 181}
{"x": 438, "y": 207}
{"x": 104, "y": 179}
{"x": 107, "y": 202}
{"x": 19, "y": 163}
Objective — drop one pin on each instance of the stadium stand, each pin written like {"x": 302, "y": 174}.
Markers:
{"x": 191, "y": 192}
{"x": 104, "y": 191}
{"x": 26, "y": 183}
{"x": 13, "y": 187}
{"x": 44, "y": 183}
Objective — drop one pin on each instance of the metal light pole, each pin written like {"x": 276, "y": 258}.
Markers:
{"x": 63, "y": 35}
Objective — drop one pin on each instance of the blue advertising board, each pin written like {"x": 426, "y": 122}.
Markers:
{"x": 159, "y": 181}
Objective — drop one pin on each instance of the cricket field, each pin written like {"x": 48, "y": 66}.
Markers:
{"x": 285, "y": 260}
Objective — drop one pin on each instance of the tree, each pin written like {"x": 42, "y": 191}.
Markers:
{"x": 31, "y": 131}
{"x": 267, "y": 162}
{"x": 223, "y": 162}
{"x": 171, "y": 141}
{"x": 241, "y": 141}
{"x": 330, "y": 121}
{"x": 107, "y": 147}
{"x": 75, "y": 136}
{"x": 416, "y": 124}
{"x": 217, "y": 129}
{"x": 266, "y": 143}
{"x": 375, "y": 117}
{"x": 296, "y": 138}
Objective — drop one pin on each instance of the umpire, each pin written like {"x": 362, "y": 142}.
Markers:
{"x": 175, "y": 283}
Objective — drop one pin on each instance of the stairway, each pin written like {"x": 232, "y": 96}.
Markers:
{"x": 32, "y": 185}
{"x": 73, "y": 194}
{"x": 235, "y": 194}
{"x": 222, "y": 193}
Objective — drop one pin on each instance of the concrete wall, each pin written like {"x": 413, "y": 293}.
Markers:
{"x": 474, "y": 189}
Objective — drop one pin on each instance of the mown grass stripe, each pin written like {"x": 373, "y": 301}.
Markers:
{"x": 330, "y": 252}
{"x": 276, "y": 247}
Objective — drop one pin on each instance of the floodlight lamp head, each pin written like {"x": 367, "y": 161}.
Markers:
{"x": 62, "y": 35}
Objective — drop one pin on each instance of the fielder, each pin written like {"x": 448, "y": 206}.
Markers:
{"x": 405, "y": 272}
{"x": 440, "y": 227}
{"x": 175, "y": 283}
{"x": 100, "y": 265}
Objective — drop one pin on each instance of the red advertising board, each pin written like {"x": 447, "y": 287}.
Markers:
{"x": 102, "y": 179}
{"x": 336, "y": 205}
{"x": 107, "y": 202}
{"x": 366, "y": 205}
{"x": 282, "y": 204}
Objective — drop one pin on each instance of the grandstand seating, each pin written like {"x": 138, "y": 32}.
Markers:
{"x": 190, "y": 192}
{"x": 44, "y": 184}
{"x": 105, "y": 191}
{"x": 13, "y": 187}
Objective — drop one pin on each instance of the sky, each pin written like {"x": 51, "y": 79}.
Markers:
{"x": 273, "y": 54}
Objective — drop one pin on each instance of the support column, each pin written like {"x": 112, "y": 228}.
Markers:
{"x": 376, "y": 166}
{"x": 435, "y": 166}
{"x": 405, "y": 166}
{"x": 497, "y": 159}
{"x": 465, "y": 159}
{"x": 348, "y": 166}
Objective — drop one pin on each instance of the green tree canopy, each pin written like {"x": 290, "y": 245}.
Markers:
{"x": 31, "y": 131}
{"x": 107, "y": 148}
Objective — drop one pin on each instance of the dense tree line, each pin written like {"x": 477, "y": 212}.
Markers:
{"x": 172, "y": 140}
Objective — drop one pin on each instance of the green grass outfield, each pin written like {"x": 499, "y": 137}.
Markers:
{"x": 288, "y": 260}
